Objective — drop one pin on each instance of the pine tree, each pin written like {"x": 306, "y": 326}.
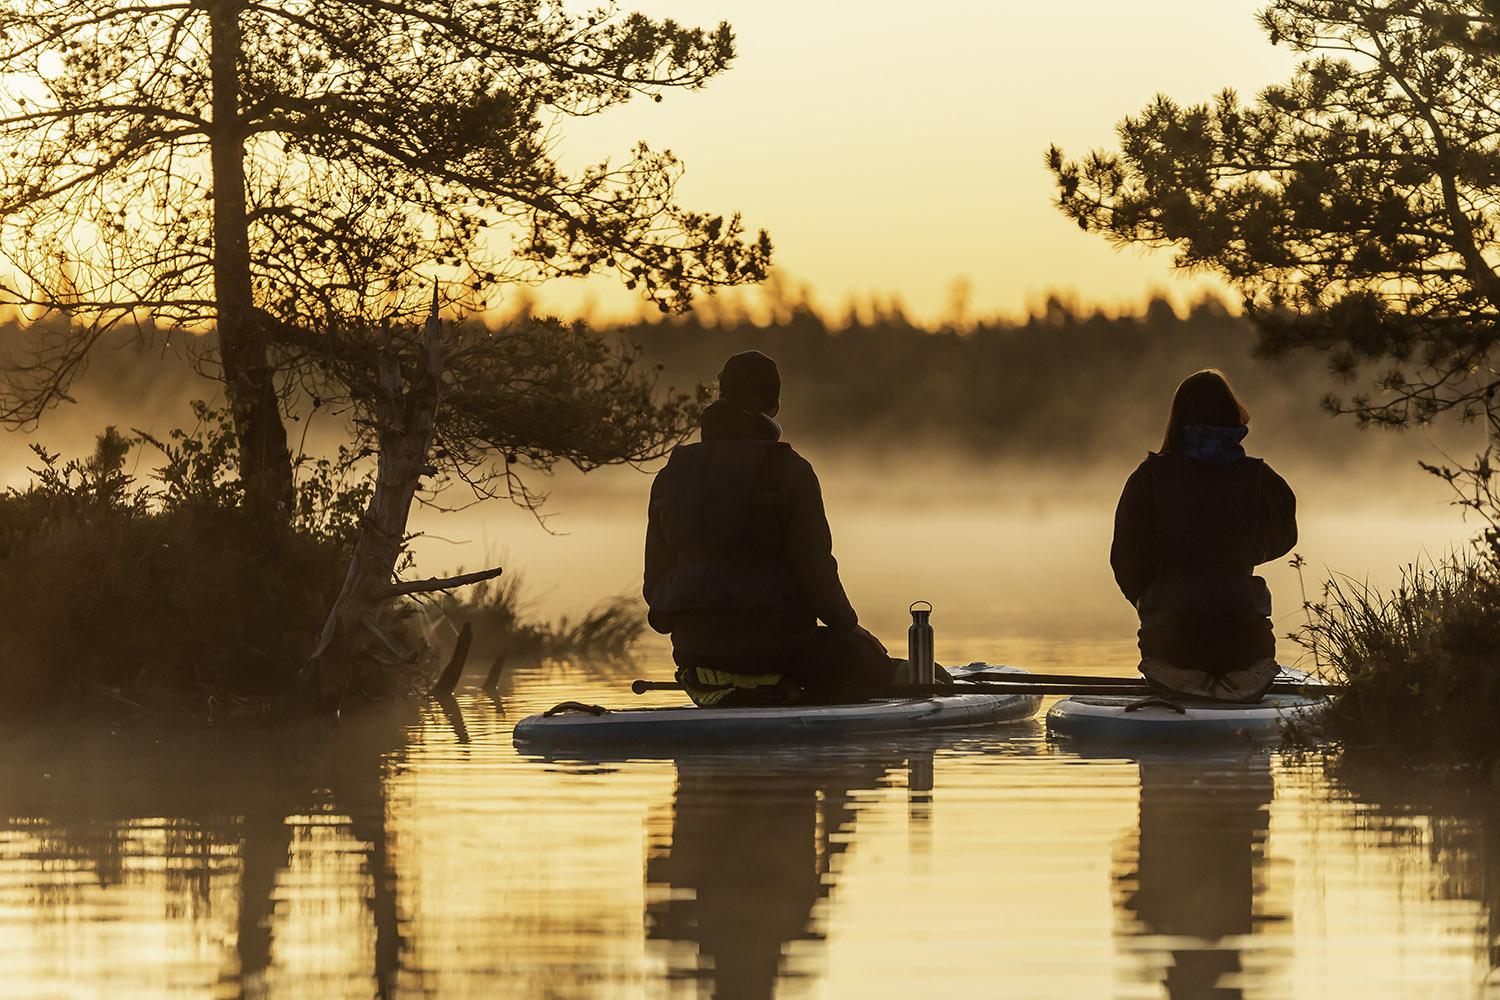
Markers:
{"x": 292, "y": 171}
{"x": 1354, "y": 205}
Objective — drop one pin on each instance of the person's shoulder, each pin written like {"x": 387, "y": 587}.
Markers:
{"x": 1140, "y": 477}
{"x": 680, "y": 456}
{"x": 788, "y": 465}
{"x": 783, "y": 448}
{"x": 682, "y": 453}
{"x": 1269, "y": 473}
{"x": 785, "y": 455}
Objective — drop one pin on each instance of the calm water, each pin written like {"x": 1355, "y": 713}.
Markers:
{"x": 416, "y": 852}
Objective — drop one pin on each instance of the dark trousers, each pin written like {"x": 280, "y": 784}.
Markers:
{"x": 1213, "y": 647}
{"x": 831, "y": 667}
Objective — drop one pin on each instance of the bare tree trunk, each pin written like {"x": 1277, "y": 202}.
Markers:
{"x": 405, "y": 414}
{"x": 265, "y": 461}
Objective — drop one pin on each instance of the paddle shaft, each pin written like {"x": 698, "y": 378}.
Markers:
{"x": 914, "y": 690}
{"x": 1060, "y": 688}
{"x": 1010, "y": 676}
{"x": 1022, "y": 685}
{"x": 1007, "y": 677}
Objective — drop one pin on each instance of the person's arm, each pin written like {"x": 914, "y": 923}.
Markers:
{"x": 810, "y": 549}
{"x": 1132, "y": 553}
{"x": 1278, "y": 516}
{"x": 659, "y": 559}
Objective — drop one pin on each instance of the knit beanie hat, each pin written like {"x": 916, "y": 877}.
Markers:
{"x": 751, "y": 379}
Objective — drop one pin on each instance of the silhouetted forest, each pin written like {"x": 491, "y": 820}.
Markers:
{"x": 1062, "y": 386}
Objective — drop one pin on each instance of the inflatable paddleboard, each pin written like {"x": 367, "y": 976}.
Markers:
{"x": 689, "y": 724}
{"x": 1141, "y": 719}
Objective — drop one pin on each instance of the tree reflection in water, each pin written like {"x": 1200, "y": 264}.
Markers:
{"x": 253, "y": 832}
{"x": 1449, "y": 813}
{"x": 1188, "y": 883}
{"x": 753, "y": 847}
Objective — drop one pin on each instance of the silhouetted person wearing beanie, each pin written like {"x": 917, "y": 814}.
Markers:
{"x": 739, "y": 562}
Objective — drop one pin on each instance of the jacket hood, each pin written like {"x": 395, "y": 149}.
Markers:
{"x": 1208, "y": 445}
{"x": 728, "y": 419}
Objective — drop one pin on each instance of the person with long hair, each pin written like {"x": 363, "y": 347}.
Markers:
{"x": 1193, "y": 522}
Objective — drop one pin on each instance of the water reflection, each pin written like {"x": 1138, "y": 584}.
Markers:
{"x": 754, "y": 847}
{"x": 157, "y": 863}
{"x": 1449, "y": 818}
{"x": 265, "y": 864}
{"x": 1186, "y": 879}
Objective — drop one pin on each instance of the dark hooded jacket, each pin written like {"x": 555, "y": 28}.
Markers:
{"x": 739, "y": 557}
{"x": 1190, "y": 528}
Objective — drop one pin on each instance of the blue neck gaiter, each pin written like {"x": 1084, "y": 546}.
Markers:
{"x": 1212, "y": 445}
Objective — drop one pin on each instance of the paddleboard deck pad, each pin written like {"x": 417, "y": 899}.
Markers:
{"x": 688, "y": 724}
{"x": 1140, "y": 719}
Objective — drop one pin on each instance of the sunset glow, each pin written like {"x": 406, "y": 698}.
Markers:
{"x": 892, "y": 153}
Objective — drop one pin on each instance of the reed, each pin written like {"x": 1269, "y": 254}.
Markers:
{"x": 1420, "y": 664}
{"x": 504, "y": 624}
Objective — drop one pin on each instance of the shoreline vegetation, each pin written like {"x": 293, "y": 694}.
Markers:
{"x": 1417, "y": 663}
{"x": 166, "y": 598}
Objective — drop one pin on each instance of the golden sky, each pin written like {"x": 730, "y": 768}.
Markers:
{"x": 894, "y": 147}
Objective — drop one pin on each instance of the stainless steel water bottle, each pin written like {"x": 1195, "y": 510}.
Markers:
{"x": 919, "y": 644}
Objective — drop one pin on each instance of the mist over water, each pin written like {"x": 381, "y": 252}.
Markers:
{"x": 1003, "y": 551}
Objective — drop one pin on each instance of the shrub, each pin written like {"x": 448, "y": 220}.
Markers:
{"x": 165, "y": 594}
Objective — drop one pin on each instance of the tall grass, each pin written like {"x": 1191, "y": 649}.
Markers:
{"x": 1421, "y": 664}
{"x": 504, "y": 625}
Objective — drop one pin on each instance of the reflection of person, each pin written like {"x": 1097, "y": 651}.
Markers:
{"x": 750, "y": 857}
{"x": 1192, "y": 882}
{"x": 1193, "y": 522}
{"x": 739, "y": 561}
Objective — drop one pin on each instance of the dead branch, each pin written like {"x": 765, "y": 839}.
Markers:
{"x": 434, "y": 583}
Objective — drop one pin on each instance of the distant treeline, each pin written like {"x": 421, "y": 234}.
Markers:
{"x": 1059, "y": 386}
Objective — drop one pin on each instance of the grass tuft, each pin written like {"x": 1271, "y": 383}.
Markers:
{"x": 1421, "y": 664}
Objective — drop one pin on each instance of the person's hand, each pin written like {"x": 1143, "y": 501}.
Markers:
{"x": 865, "y": 633}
